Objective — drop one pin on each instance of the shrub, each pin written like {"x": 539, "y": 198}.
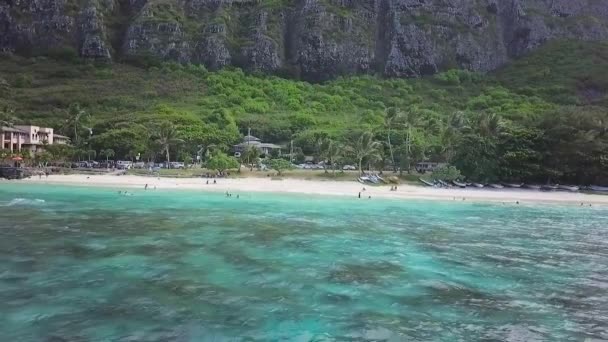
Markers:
{"x": 447, "y": 173}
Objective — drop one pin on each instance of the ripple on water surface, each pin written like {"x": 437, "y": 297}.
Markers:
{"x": 90, "y": 265}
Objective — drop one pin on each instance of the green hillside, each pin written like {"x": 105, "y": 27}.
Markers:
{"x": 557, "y": 82}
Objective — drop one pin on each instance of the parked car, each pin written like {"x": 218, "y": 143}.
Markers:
{"x": 177, "y": 165}
{"x": 124, "y": 164}
{"x": 348, "y": 168}
{"x": 139, "y": 165}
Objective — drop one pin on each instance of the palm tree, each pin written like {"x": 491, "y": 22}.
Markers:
{"x": 76, "y": 116}
{"x": 391, "y": 115}
{"x": 489, "y": 125}
{"x": 365, "y": 147}
{"x": 408, "y": 120}
{"x": 166, "y": 137}
{"x": 108, "y": 153}
{"x": 91, "y": 153}
{"x": 456, "y": 123}
{"x": 331, "y": 151}
{"x": 250, "y": 154}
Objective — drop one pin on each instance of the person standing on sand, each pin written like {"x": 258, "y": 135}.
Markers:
{"x": 359, "y": 194}
{"x": 146, "y": 187}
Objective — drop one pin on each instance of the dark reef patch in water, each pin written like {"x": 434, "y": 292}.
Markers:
{"x": 368, "y": 273}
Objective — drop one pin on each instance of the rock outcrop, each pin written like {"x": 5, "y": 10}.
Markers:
{"x": 311, "y": 39}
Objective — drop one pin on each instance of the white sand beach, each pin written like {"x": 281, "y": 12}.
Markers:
{"x": 320, "y": 187}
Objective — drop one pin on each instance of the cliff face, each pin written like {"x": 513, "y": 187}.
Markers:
{"x": 312, "y": 39}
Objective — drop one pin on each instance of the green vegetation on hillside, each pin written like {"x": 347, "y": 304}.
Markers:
{"x": 539, "y": 118}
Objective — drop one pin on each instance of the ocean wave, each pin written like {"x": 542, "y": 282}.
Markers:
{"x": 24, "y": 202}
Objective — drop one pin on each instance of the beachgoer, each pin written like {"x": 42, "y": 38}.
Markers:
{"x": 207, "y": 181}
{"x": 359, "y": 195}
{"x": 146, "y": 187}
{"x": 227, "y": 194}
{"x": 517, "y": 202}
{"x": 214, "y": 181}
{"x": 370, "y": 197}
{"x": 237, "y": 196}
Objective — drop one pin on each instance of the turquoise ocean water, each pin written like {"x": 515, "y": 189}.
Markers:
{"x": 90, "y": 265}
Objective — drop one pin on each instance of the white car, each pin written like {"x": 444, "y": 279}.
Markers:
{"x": 124, "y": 164}
{"x": 348, "y": 168}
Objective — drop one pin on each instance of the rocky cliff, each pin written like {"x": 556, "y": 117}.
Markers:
{"x": 311, "y": 39}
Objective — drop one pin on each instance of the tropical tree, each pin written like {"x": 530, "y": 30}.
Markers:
{"x": 456, "y": 123}
{"x": 250, "y": 155}
{"x": 79, "y": 154}
{"x": 364, "y": 147}
{"x": 5, "y": 154}
{"x": 391, "y": 115}
{"x": 331, "y": 151}
{"x": 489, "y": 124}
{"x": 447, "y": 173}
{"x": 280, "y": 165}
{"x": 221, "y": 162}
{"x": 92, "y": 153}
{"x": 7, "y": 117}
{"x": 60, "y": 152}
{"x": 43, "y": 158}
{"x": 167, "y": 137}
{"x": 77, "y": 117}
{"x": 108, "y": 153}
{"x": 410, "y": 120}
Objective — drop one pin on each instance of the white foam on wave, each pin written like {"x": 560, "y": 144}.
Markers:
{"x": 24, "y": 202}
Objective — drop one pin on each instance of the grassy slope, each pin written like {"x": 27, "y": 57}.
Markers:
{"x": 41, "y": 89}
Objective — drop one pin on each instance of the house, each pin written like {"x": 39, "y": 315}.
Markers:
{"x": 250, "y": 140}
{"x": 30, "y": 138}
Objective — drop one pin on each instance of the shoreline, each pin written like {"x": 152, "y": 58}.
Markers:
{"x": 317, "y": 187}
